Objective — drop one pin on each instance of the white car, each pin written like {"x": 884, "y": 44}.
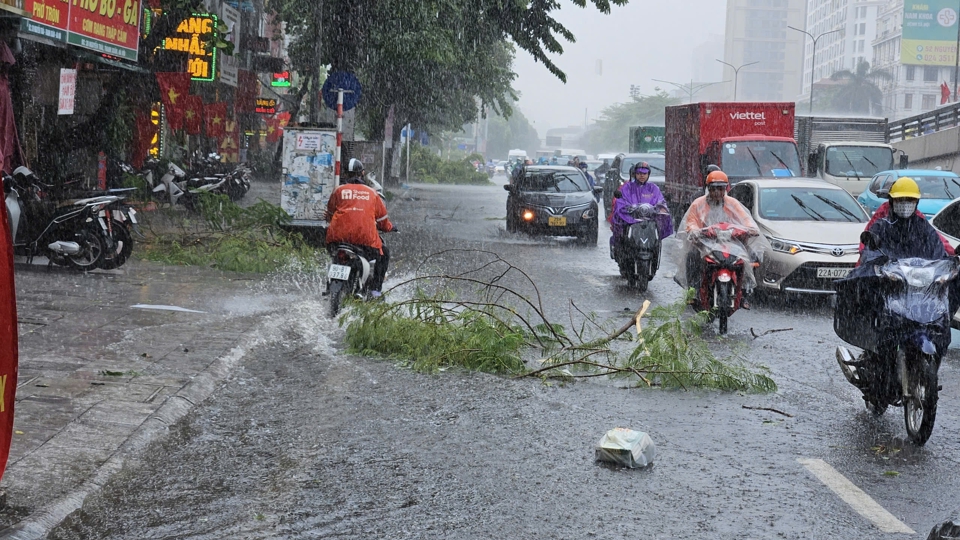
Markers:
{"x": 813, "y": 227}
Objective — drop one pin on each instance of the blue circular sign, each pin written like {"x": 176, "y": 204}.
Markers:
{"x": 341, "y": 80}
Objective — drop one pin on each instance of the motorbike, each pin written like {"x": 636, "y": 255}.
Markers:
{"x": 638, "y": 249}
{"x": 68, "y": 233}
{"x": 899, "y": 313}
{"x": 723, "y": 252}
{"x": 348, "y": 275}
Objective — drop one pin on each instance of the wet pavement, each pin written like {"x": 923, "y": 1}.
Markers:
{"x": 99, "y": 378}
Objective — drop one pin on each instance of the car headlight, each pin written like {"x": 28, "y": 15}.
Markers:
{"x": 784, "y": 246}
{"x": 590, "y": 213}
{"x": 527, "y": 215}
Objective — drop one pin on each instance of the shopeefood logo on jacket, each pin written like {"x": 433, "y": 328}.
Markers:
{"x": 355, "y": 195}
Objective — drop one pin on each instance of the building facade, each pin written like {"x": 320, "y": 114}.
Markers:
{"x": 756, "y": 31}
{"x": 847, "y": 30}
{"x": 914, "y": 89}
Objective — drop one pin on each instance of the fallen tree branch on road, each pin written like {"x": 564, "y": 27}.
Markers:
{"x": 471, "y": 319}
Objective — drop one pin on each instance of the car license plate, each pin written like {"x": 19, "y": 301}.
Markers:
{"x": 557, "y": 221}
{"x": 338, "y": 271}
{"x": 833, "y": 273}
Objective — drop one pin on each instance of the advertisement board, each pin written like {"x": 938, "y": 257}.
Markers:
{"x": 308, "y": 178}
{"x": 929, "y": 33}
{"x": 191, "y": 37}
{"x": 109, "y": 27}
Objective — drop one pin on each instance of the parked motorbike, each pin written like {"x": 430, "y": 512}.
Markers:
{"x": 899, "y": 313}
{"x": 724, "y": 254}
{"x": 638, "y": 249}
{"x": 68, "y": 234}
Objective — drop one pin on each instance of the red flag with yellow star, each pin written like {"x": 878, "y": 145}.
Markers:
{"x": 274, "y": 131}
{"x": 193, "y": 115}
{"x": 174, "y": 89}
{"x": 230, "y": 144}
{"x": 215, "y": 115}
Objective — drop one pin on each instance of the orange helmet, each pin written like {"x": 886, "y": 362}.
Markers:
{"x": 717, "y": 177}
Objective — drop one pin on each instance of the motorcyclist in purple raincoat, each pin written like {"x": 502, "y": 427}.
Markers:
{"x": 639, "y": 190}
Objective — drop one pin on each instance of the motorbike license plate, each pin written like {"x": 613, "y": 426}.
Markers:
{"x": 338, "y": 271}
{"x": 557, "y": 221}
{"x": 833, "y": 273}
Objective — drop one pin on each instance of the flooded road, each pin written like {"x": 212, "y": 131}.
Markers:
{"x": 304, "y": 441}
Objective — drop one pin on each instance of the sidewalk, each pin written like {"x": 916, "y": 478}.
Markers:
{"x": 98, "y": 379}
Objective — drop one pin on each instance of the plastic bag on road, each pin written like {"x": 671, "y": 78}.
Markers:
{"x": 626, "y": 447}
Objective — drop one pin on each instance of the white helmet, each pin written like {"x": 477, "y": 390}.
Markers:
{"x": 355, "y": 166}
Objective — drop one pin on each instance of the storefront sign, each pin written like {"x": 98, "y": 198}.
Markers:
{"x": 266, "y": 106}
{"x": 229, "y": 70}
{"x": 68, "y": 91}
{"x": 281, "y": 79}
{"x": 191, "y": 37}
{"x": 929, "y": 33}
{"x": 110, "y": 27}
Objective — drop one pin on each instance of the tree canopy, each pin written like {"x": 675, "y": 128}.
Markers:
{"x": 612, "y": 131}
{"x": 860, "y": 93}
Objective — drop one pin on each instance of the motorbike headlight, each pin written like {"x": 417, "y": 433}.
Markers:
{"x": 590, "y": 213}
{"x": 784, "y": 246}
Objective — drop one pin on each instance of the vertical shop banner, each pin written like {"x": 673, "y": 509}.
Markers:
{"x": 48, "y": 18}
{"x": 68, "y": 91}
{"x": 9, "y": 354}
{"x": 230, "y": 144}
{"x": 229, "y": 70}
{"x": 929, "y": 33}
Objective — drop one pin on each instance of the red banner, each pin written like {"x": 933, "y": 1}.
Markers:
{"x": 143, "y": 136}
{"x": 174, "y": 89}
{"x": 51, "y": 13}
{"x": 230, "y": 144}
{"x": 193, "y": 115}
{"x": 274, "y": 131}
{"x": 215, "y": 115}
{"x": 9, "y": 355}
{"x": 106, "y": 26}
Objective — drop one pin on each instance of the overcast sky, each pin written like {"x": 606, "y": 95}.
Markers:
{"x": 646, "y": 39}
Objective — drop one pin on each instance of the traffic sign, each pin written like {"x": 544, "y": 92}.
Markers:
{"x": 341, "y": 80}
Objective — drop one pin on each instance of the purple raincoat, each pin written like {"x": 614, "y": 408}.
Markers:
{"x": 635, "y": 193}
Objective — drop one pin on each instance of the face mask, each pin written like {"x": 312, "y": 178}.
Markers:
{"x": 904, "y": 208}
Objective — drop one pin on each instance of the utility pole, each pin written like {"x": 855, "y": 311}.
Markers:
{"x": 813, "y": 59}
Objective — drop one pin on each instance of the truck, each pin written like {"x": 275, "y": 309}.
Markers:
{"x": 647, "y": 140}
{"x": 745, "y": 139}
{"x": 847, "y": 152}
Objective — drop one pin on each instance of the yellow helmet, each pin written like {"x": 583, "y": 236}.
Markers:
{"x": 905, "y": 188}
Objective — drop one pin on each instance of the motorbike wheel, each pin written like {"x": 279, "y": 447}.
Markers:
{"x": 91, "y": 249}
{"x": 723, "y": 303}
{"x": 338, "y": 291}
{"x": 641, "y": 282}
{"x": 920, "y": 411}
{"x": 116, "y": 255}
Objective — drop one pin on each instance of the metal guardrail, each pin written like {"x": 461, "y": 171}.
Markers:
{"x": 922, "y": 124}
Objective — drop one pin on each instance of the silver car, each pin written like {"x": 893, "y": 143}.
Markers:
{"x": 814, "y": 228}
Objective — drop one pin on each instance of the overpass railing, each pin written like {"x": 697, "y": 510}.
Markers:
{"x": 924, "y": 123}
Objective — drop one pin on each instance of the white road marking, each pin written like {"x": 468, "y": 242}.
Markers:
{"x": 855, "y": 497}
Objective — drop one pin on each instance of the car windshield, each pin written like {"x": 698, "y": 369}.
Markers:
{"x": 854, "y": 161}
{"x": 657, "y": 165}
{"x": 760, "y": 158}
{"x": 554, "y": 181}
{"x": 938, "y": 187}
{"x": 593, "y": 165}
{"x": 809, "y": 204}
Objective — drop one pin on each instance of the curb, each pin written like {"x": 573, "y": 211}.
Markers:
{"x": 40, "y": 523}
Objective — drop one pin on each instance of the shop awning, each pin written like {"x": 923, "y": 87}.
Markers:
{"x": 6, "y": 9}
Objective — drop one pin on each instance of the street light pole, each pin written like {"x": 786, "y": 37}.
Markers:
{"x": 813, "y": 59}
{"x": 689, "y": 88}
{"x": 736, "y": 74}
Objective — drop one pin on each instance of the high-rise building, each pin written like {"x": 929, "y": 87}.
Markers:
{"x": 756, "y": 31}
{"x": 915, "y": 86}
{"x": 845, "y": 30}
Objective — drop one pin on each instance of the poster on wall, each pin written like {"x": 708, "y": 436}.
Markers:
{"x": 308, "y": 176}
{"x": 68, "y": 91}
